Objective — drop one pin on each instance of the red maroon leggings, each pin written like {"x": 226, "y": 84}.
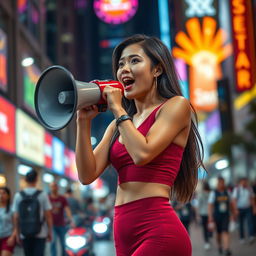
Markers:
{"x": 149, "y": 226}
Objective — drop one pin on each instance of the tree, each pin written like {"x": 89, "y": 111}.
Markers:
{"x": 247, "y": 139}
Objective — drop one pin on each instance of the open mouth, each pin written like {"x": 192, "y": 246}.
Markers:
{"x": 128, "y": 82}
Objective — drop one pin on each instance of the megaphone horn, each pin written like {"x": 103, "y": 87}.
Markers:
{"x": 58, "y": 95}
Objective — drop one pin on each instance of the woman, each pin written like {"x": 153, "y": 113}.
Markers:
{"x": 152, "y": 144}
{"x": 7, "y": 231}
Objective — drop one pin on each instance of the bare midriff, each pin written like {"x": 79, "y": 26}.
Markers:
{"x": 130, "y": 191}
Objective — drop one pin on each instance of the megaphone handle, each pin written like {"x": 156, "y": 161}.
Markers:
{"x": 102, "y": 107}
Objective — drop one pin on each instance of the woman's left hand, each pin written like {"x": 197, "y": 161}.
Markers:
{"x": 113, "y": 96}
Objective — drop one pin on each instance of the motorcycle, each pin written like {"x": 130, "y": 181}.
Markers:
{"x": 79, "y": 240}
{"x": 102, "y": 227}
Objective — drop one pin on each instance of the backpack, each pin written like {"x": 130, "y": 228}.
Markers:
{"x": 29, "y": 214}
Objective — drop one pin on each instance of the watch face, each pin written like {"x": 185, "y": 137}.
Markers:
{"x": 115, "y": 11}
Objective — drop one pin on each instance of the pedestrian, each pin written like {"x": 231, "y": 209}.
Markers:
{"x": 59, "y": 208}
{"x": 7, "y": 229}
{"x": 73, "y": 202}
{"x": 33, "y": 220}
{"x": 244, "y": 204}
{"x": 219, "y": 212}
{"x": 254, "y": 213}
{"x": 202, "y": 207}
{"x": 184, "y": 211}
{"x": 89, "y": 209}
{"x": 153, "y": 144}
{"x": 75, "y": 207}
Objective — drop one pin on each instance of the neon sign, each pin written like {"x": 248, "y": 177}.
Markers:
{"x": 7, "y": 126}
{"x": 3, "y": 60}
{"x": 200, "y": 8}
{"x": 115, "y": 11}
{"x": 31, "y": 76}
{"x": 29, "y": 138}
{"x": 203, "y": 50}
{"x": 243, "y": 38}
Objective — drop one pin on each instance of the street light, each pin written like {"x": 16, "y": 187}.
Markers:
{"x": 221, "y": 164}
{"x": 26, "y": 62}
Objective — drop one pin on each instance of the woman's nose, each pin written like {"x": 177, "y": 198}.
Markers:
{"x": 126, "y": 67}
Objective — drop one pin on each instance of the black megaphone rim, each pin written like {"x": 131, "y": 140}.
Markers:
{"x": 36, "y": 94}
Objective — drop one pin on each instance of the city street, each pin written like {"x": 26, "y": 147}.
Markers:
{"x": 101, "y": 248}
{"x": 111, "y": 108}
{"x": 106, "y": 248}
{"x": 237, "y": 249}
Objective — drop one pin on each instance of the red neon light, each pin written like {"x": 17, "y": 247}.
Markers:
{"x": 7, "y": 126}
{"x": 244, "y": 43}
{"x": 115, "y": 11}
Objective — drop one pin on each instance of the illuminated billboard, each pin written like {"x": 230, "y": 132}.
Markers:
{"x": 7, "y": 126}
{"x": 3, "y": 60}
{"x": 58, "y": 155}
{"x": 70, "y": 164}
{"x": 30, "y": 138}
{"x": 203, "y": 48}
{"x": 244, "y": 44}
{"x": 30, "y": 77}
{"x": 115, "y": 11}
{"x": 48, "y": 152}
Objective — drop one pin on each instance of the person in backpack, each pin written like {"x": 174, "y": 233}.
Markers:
{"x": 32, "y": 215}
{"x": 7, "y": 230}
{"x": 219, "y": 213}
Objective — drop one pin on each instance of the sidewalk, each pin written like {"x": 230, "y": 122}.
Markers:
{"x": 107, "y": 248}
{"x": 236, "y": 248}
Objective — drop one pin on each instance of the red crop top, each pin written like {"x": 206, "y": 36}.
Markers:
{"x": 162, "y": 169}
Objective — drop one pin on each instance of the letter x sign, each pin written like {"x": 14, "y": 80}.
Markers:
{"x": 200, "y": 8}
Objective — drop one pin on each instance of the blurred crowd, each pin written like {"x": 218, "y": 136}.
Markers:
{"x": 57, "y": 214}
{"x": 221, "y": 211}
{"x": 217, "y": 211}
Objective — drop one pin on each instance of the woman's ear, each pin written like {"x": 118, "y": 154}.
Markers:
{"x": 158, "y": 70}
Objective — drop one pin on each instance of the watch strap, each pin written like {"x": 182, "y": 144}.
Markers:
{"x": 122, "y": 118}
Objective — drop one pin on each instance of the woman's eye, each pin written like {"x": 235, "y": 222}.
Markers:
{"x": 120, "y": 64}
{"x": 135, "y": 60}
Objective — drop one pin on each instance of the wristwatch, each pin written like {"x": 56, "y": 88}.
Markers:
{"x": 122, "y": 118}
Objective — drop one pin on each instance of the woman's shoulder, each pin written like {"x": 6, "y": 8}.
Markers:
{"x": 177, "y": 106}
{"x": 178, "y": 101}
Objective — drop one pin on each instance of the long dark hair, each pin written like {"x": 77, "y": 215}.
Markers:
{"x": 8, "y": 192}
{"x": 167, "y": 87}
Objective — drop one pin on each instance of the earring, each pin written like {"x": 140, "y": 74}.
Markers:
{"x": 156, "y": 81}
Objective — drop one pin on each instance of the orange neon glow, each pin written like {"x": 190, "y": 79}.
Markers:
{"x": 203, "y": 50}
{"x": 244, "y": 53}
{"x": 243, "y": 78}
{"x": 238, "y": 6}
{"x": 33, "y": 73}
{"x": 3, "y": 70}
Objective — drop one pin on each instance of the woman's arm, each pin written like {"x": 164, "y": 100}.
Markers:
{"x": 173, "y": 118}
{"x": 12, "y": 238}
{"x": 90, "y": 164}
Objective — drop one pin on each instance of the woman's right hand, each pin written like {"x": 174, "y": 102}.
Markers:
{"x": 87, "y": 113}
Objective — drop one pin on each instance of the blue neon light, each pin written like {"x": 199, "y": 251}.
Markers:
{"x": 164, "y": 22}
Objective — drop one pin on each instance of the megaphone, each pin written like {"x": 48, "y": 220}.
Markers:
{"x": 58, "y": 95}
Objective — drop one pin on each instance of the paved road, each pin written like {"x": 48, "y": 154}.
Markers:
{"x": 237, "y": 249}
{"x": 106, "y": 248}
{"x": 101, "y": 248}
